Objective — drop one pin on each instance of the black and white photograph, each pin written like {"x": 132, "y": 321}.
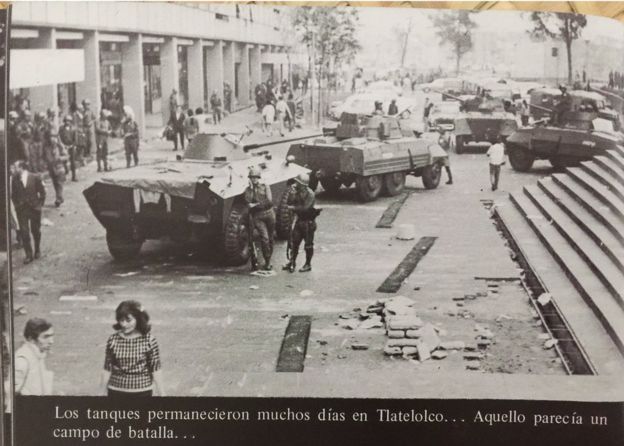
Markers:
{"x": 262, "y": 200}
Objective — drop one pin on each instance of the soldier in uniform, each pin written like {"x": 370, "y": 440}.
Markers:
{"x": 15, "y": 151}
{"x": 445, "y": 142}
{"x": 102, "y": 132}
{"x": 130, "y": 130}
{"x": 89, "y": 126}
{"x": 24, "y": 133}
{"x": 35, "y": 152}
{"x": 260, "y": 203}
{"x": 301, "y": 202}
{"x": 80, "y": 135}
{"x": 54, "y": 155}
{"x": 67, "y": 136}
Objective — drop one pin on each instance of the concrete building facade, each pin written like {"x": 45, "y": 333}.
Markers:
{"x": 136, "y": 54}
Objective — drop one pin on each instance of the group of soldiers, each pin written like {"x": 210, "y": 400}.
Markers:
{"x": 616, "y": 80}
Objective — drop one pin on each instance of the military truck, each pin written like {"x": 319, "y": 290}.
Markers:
{"x": 484, "y": 119}
{"x": 196, "y": 198}
{"x": 568, "y": 139}
{"x": 371, "y": 151}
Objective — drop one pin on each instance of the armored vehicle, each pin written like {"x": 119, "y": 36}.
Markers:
{"x": 483, "y": 120}
{"x": 573, "y": 137}
{"x": 197, "y": 198}
{"x": 373, "y": 152}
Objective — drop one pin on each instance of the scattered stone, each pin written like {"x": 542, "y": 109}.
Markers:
{"x": 31, "y": 293}
{"x": 452, "y": 345}
{"x": 306, "y": 293}
{"x": 350, "y": 324}
{"x": 342, "y": 356}
{"x": 481, "y": 294}
{"x": 439, "y": 354}
{"x": 357, "y": 309}
{"x": 451, "y": 313}
{"x": 459, "y": 298}
{"x": 363, "y": 315}
{"x": 544, "y": 299}
{"x": 346, "y": 316}
{"x": 543, "y": 336}
{"x": 375, "y": 309}
{"x": 416, "y": 288}
{"x": 471, "y": 296}
{"x": 424, "y": 350}
{"x": 460, "y": 304}
{"x": 486, "y": 334}
{"x": 410, "y": 351}
{"x": 429, "y": 336}
{"x": 396, "y": 334}
{"x": 470, "y": 347}
{"x": 374, "y": 322}
{"x": 503, "y": 317}
{"x": 473, "y": 355}
{"x": 473, "y": 365}
{"x": 359, "y": 346}
{"x": 392, "y": 350}
{"x": 550, "y": 343}
{"x": 414, "y": 334}
{"x": 254, "y": 287}
{"x": 482, "y": 343}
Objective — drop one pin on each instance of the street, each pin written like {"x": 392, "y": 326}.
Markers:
{"x": 216, "y": 326}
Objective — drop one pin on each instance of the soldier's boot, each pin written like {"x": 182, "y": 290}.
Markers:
{"x": 37, "y": 248}
{"x": 308, "y": 263}
{"x": 290, "y": 266}
{"x": 28, "y": 251}
{"x": 267, "y": 252}
{"x": 449, "y": 174}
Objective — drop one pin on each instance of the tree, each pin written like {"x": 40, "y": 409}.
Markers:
{"x": 329, "y": 35}
{"x": 559, "y": 26}
{"x": 403, "y": 33}
{"x": 454, "y": 28}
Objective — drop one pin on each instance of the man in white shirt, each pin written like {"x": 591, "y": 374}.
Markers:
{"x": 31, "y": 375}
{"x": 282, "y": 112}
{"x": 496, "y": 153}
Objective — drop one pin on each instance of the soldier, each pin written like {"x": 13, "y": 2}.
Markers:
{"x": 301, "y": 202}
{"x": 102, "y": 132}
{"x": 81, "y": 136}
{"x": 54, "y": 156}
{"x": 67, "y": 136}
{"x": 445, "y": 142}
{"x": 88, "y": 122}
{"x": 24, "y": 133}
{"x": 378, "y": 108}
{"x": 216, "y": 105}
{"x": 130, "y": 130}
{"x": 35, "y": 152}
{"x": 15, "y": 151}
{"x": 393, "y": 109}
{"x": 260, "y": 203}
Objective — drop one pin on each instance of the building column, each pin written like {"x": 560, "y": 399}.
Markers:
{"x": 229, "y": 71}
{"x": 169, "y": 74}
{"x": 44, "y": 97}
{"x": 196, "y": 74}
{"x": 243, "y": 77}
{"x": 91, "y": 87}
{"x": 255, "y": 65}
{"x": 132, "y": 78}
{"x": 214, "y": 70}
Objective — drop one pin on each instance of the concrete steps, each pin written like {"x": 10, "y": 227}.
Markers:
{"x": 577, "y": 217}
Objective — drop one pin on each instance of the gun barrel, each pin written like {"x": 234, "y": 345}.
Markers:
{"x": 539, "y": 107}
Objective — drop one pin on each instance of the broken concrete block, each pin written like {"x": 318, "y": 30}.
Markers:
{"x": 359, "y": 346}
{"x": 405, "y": 342}
{"x": 473, "y": 365}
{"x": 483, "y": 343}
{"x": 472, "y": 355}
{"x": 470, "y": 296}
{"x": 373, "y": 322}
{"x": 459, "y": 298}
{"x": 396, "y": 334}
{"x": 414, "y": 334}
{"x": 453, "y": 345}
{"x": 543, "y": 336}
{"x": 363, "y": 315}
{"x": 404, "y": 322}
{"x": 429, "y": 336}
{"x": 486, "y": 334}
{"x": 349, "y": 324}
{"x": 451, "y": 313}
{"x": 550, "y": 343}
{"x": 410, "y": 351}
{"x": 424, "y": 351}
{"x": 375, "y": 309}
{"x": 470, "y": 347}
{"x": 439, "y": 354}
{"x": 460, "y": 304}
{"x": 544, "y": 299}
{"x": 346, "y": 316}
{"x": 391, "y": 351}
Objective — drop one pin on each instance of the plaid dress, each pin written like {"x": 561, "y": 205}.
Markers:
{"x": 132, "y": 362}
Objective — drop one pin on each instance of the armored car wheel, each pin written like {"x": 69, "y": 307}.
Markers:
{"x": 369, "y": 188}
{"x": 122, "y": 246}
{"x": 520, "y": 159}
{"x": 283, "y": 217}
{"x": 236, "y": 236}
{"x": 331, "y": 184}
{"x": 431, "y": 175}
{"x": 393, "y": 183}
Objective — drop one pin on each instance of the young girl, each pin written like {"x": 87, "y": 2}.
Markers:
{"x": 132, "y": 363}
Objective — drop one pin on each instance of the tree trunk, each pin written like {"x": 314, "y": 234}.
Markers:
{"x": 457, "y": 58}
{"x": 569, "y": 54}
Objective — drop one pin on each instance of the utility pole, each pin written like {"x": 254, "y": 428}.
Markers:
{"x": 313, "y": 74}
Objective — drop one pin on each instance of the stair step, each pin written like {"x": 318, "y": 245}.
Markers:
{"x": 608, "y": 272}
{"x": 590, "y": 334}
{"x": 616, "y": 157}
{"x": 598, "y": 190}
{"x": 611, "y": 245}
{"x": 616, "y": 170}
{"x": 595, "y": 294}
{"x": 604, "y": 177}
{"x": 599, "y": 210}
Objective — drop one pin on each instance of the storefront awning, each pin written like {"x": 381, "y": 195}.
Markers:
{"x": 36, "y": 68}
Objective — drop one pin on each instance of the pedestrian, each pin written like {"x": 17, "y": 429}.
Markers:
{"x": 176, "y": 122}
{"x": 260, "y": 97}
{"x": 292, "y": 108}
{"x": 24, "y": 133}
{"x": 496, "y": 153}
{"x": 584, "y": 76}
{"x": 191, "y": 126}
{"x": 54, "y": 156}
{"x": 88, "y": 123}
{"x": 301, "y": 202}
{"x": 216, "y": 106}
{"x": 427, "y": 111}
{"x": 524, "y": 113}
{"x": 393, "y": 109}
{"x": 445, "y": 142}
{"x": 35, "y": 152}
{"x": 268, "y": 116}
{"x": 130, "y": 130}
{"x": 282, "y": 112}
{"x": 102, "y": 131}
{"x": 31, "y": 375}
{"x": 67, "y": 137}
{"x": 227, "y": 97}
{"x": 28, "y": 195}
{"x": 173, "y": 102}
{"x": 260, "y": 203}
{"x": 132, "y": 360}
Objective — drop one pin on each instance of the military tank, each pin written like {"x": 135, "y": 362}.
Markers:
{"x": 484, "y": 119}
{"x": 197, "y": 198}
{"x": 371, "y": 151}
{"x": 565, "y": 140}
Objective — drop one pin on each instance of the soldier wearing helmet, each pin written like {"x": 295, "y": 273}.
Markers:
{"x": 67, "y": 138}
{"x": 260, "y": 202}
{"x": 102, "y": 131}
{"x": 301, "y": 202}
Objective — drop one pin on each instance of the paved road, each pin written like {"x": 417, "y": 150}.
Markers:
{"x": 221, "y": 328}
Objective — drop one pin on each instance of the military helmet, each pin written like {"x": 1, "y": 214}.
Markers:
{"x": 254, "y": 172}
{"x": 68, "y": 118}
{"x": 303, "y": 179}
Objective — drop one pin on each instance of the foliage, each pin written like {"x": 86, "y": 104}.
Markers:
{"x": 454, "y": 28}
